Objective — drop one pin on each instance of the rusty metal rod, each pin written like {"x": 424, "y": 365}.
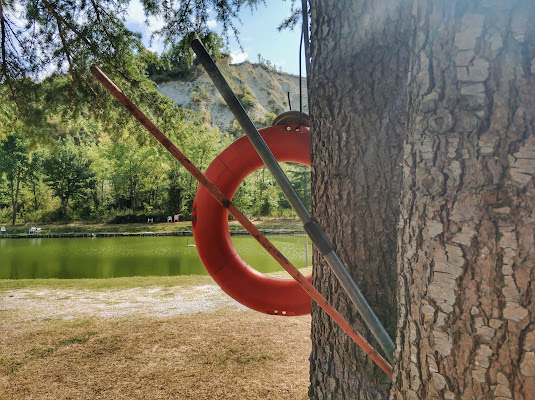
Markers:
{"x": 248, "y": 225}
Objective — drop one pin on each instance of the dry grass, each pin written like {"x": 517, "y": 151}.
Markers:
{"x": 226, "y": 354}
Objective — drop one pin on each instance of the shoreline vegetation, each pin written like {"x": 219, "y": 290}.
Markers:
{"x": 272, "y": 226}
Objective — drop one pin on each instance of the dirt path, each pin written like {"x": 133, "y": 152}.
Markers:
{"x": 111, "y": 303}
{"x": 190, "y": 342}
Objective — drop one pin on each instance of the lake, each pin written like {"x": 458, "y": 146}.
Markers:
{"x": 110, "y": 257}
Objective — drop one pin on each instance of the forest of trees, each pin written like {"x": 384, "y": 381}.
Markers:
{"x": 84, "y": 170}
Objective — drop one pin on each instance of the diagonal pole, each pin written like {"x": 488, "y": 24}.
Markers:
{"x": 312, "y": 227}
{"x": 248, "y": 225}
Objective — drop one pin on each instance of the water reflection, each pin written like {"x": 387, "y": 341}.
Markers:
{"x": 129, "y": 256}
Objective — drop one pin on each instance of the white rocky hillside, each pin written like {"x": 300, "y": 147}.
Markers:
{"x": 263, "y": 92}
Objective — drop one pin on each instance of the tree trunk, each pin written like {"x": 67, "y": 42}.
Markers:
{"x": 357, "y": 87}
{"x": 133, "y": 195}
{"x": 34, "y": 191}
{"x": 467, "y": 228}
{"x": 13, "y": 204}
{"x": 14, "y": 208}
{"x": 65, "y": 205}
{"x": 15, "y": 189}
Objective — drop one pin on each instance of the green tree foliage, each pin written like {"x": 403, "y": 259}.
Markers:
{"x": 176, "y": 63}
{"x": 68, "y": 173}
{"x": 35, "y": 191}
{"x": 267, "y": 65}
{"x": 260, "y": 196}
{"x": 40, "y": 38}
{"x": 135, "y": 174}
{"x": 201, "y": 147}
{"x": 83, "y": 150}
{"x": 14, "y": 162}
{"x": 299, "y": 176}
{"x": 185, "y": 17}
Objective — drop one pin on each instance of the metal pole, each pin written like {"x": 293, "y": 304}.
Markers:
{"x": 242, "y": 219}
{"x": 313, "y": 229}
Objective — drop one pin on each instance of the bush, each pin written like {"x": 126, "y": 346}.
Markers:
{"x": 48, "y": 217}
{"x": 287, "y": 213}
{"x": 201, "y": 97}
{"x": 129, "y": 217}
{"x": 247, "y": 101}
{"x": 246, "y": 96}
{"x": 5, "y": 215}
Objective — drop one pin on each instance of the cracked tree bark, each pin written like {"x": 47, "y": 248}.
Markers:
{"x": 357, "y": 86}
{"x": 466, "y": 257}
{"x": 466, "y": 233}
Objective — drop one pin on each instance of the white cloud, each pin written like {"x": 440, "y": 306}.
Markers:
{"x": 157, "y": 46}
{"x": 20, "y": 9}
{"x": 212, "y": 23}
{"x": 156, "y": 24}
{"x": 238, "y": 57}
{"x": 136, "y": 16}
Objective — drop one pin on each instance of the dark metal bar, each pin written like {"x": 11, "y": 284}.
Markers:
{"x": 242, "y": 219}
{"x": 304, "y": 12}
{"x": 314, "y": 230}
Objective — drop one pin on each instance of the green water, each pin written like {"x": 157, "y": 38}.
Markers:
{"x": 112, "y": 257}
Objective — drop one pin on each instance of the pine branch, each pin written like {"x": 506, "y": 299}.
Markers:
{"x": 67, "y": 53}
{"x": 94, "y": 49}
{"x": 97, "y": 9}
{"x": 5, "y": 73}
{"x": 3, "y": 44}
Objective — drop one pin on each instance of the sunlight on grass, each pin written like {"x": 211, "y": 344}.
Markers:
{"x": 124, "y": 282}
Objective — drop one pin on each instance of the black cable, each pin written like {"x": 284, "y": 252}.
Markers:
{"x": 304, "y": 11}
{"x": 300, "y": 81}
{"x": 289, "y": 102}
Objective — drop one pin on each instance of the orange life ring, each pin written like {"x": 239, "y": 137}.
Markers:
{"x": 210, "y": 224}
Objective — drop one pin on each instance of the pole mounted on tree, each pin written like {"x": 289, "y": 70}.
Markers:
{"x": 242, "y": 219}
{"x": 312, "y": 227}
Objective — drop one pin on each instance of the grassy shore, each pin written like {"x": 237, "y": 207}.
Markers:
{"x": 99, "y": 284}
{"x": 267, "y": 224}
{"x": 122, "y": 283}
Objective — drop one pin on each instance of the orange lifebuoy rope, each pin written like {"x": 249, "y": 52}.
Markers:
{"x": 210, "y": 224}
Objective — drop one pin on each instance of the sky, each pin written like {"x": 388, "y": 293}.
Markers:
{"x": 258, "y": 34}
